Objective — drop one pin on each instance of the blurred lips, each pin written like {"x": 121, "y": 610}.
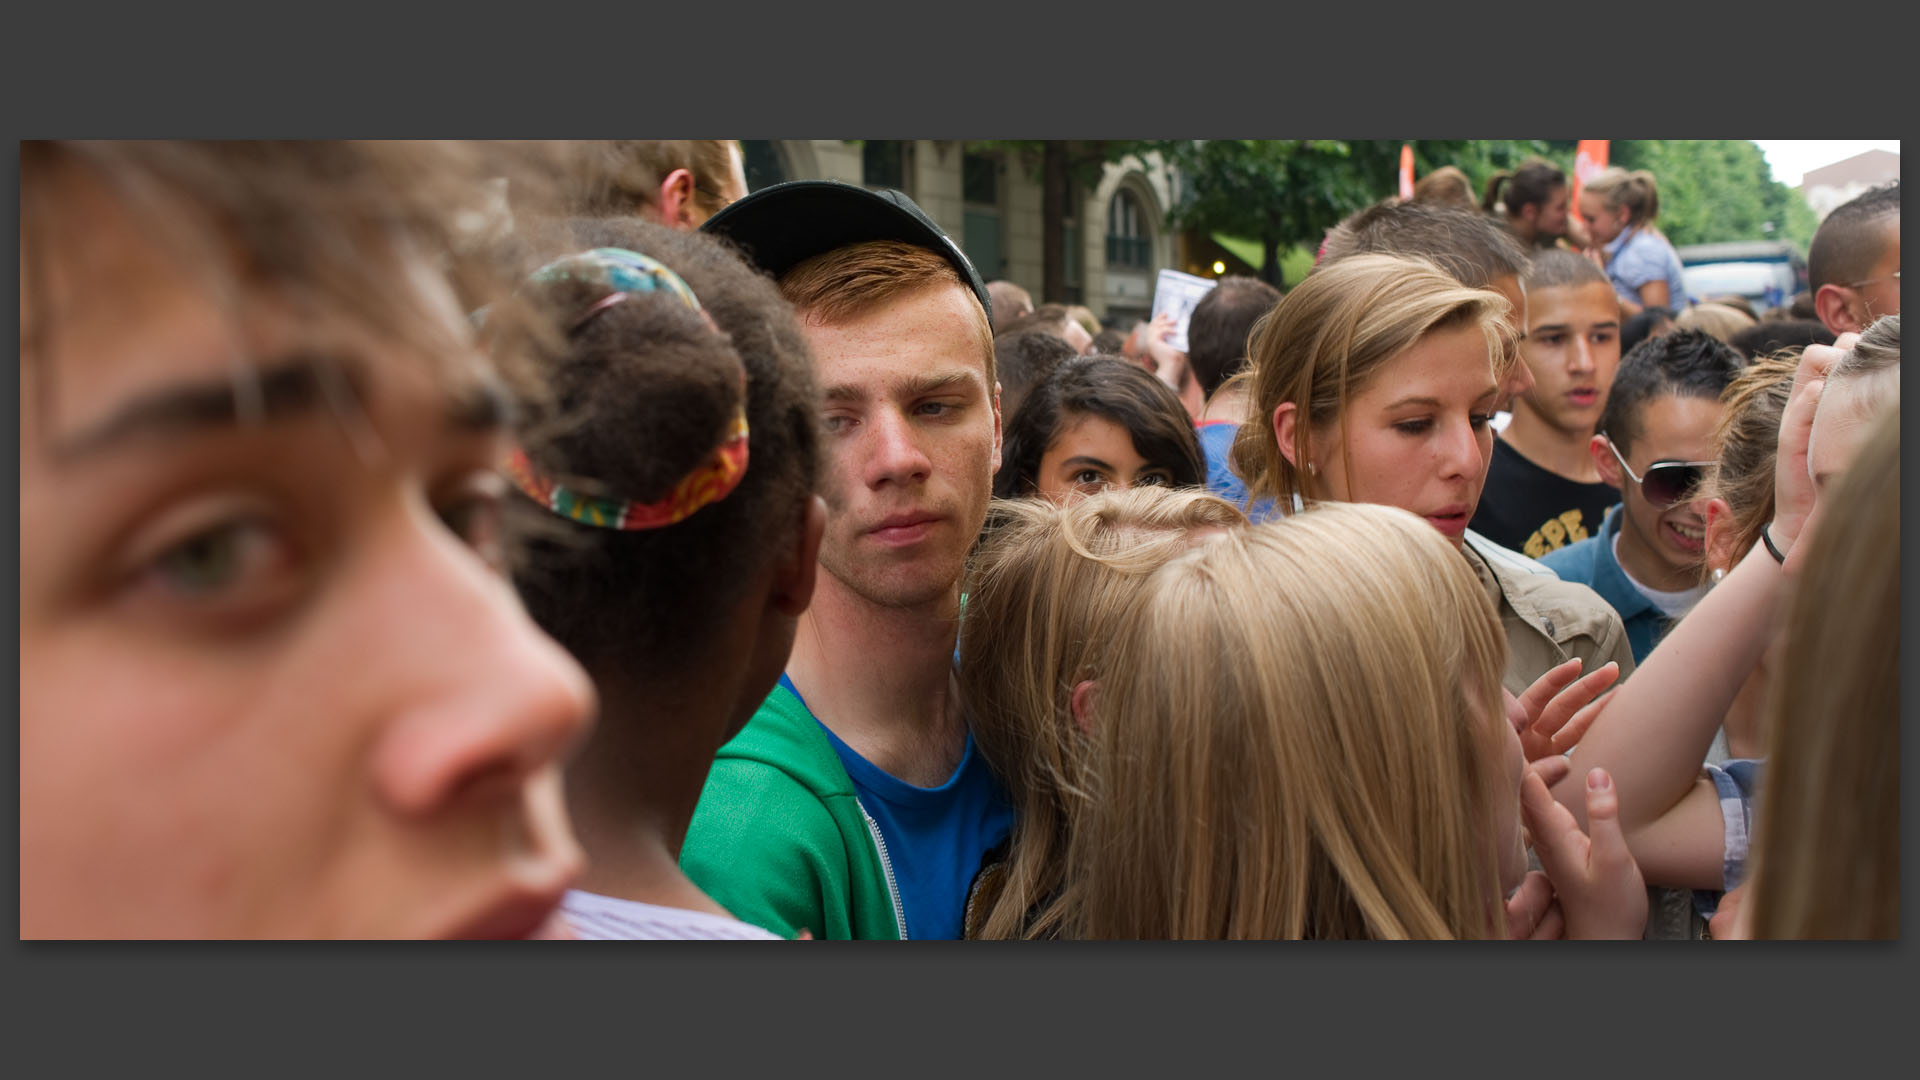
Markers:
{"x": 1583, "y": 397}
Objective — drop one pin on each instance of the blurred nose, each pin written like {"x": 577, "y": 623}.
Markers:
{"x": 485, "y": 700}
{"x": 894, "y": 452}
{"x": 1580, "y": 357}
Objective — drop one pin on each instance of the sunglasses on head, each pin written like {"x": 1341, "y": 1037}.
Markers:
{"x": 1667, "y": 482}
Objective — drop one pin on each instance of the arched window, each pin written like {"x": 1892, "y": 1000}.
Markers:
{"x": 1129, "y": 242}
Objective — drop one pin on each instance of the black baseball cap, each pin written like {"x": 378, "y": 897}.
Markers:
{"x": 782, "y": 226}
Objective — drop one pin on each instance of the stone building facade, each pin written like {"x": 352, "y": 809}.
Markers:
{"x": 1116, "y": 234}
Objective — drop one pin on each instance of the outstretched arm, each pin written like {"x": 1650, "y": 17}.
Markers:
{"x": 1655, "y": 729}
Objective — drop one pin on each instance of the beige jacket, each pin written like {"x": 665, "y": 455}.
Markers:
{"x": 1548, "y": 621}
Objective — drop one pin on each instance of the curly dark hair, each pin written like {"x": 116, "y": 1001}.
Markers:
{"x": 642, "y": 393}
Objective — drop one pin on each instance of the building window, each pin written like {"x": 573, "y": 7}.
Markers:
{"x": 980, "y": 179}
{"x": 1129, "y": 243}
{"x": 980, "y": 231}
{"x": 884, "y": 163}
{"x": 760, "y": 160}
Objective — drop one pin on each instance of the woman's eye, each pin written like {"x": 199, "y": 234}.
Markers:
{"x": 1153, "y": 479}
{"x": 1413, "y": 427}
{"x": 1480, "y": 420}
{"x": 1090, "y": 476}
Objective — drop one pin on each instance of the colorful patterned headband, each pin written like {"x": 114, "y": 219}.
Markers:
{"x": 628, "y": 273}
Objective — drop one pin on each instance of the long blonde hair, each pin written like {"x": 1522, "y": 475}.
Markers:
{"x": 1296, "y": 737}
{"x": 1330, "y": 336}
{"x": 1044, "y": 587}
{"x": 1827, "y": 854}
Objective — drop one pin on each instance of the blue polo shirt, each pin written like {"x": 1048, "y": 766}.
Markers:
{"x": 1591, "y": 563}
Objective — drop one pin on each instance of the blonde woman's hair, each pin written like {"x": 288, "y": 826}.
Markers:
{"x": 1827, "y": 854}
{"x": 1045, "y": 585}
{"x": 1745, "y": 443}
{"x": 1637, "y": 191}
{"x": 1327, "y": 339}
{"x": 1296, "y": 737}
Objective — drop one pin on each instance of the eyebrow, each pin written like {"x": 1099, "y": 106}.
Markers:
{"x": 1082, "y": 459}
{"x": 1543, "y": 328}
{"x": 292, "y": 386}
{"x": 1435, "y": 403}
{"x": 917, "y": 386}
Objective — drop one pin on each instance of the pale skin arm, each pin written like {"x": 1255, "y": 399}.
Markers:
{"x": 1656, "y": 728}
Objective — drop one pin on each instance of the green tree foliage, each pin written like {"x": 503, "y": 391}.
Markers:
{"x": 1284, "y": 192}
{"x": 1714, "y": 190}
{"x": 1287, "y": 192}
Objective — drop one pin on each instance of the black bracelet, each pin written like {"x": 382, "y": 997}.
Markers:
{"x": 1766, "y": 537}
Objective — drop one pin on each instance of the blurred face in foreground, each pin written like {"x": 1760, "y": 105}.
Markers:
{"x": 275, "y": 683}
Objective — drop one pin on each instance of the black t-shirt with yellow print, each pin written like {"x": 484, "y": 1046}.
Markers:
{"x": 1534, "y": 511}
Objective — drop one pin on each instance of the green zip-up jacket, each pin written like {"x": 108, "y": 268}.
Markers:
{"x": 779, "y": 838}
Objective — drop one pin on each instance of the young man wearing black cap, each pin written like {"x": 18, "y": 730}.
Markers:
{"x": 853, "y": 805}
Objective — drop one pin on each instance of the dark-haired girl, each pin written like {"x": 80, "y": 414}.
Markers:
{"x": 1098, "y": 423}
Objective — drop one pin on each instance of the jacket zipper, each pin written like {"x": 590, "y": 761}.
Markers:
{"x": 886, "y": 867}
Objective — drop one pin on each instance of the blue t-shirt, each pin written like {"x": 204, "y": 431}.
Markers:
{"x": 1640, "y": 256}
{"x": 1216, "y": 442}
{"x": 936, "y": 837}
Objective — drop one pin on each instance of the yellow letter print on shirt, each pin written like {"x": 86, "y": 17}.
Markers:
{"x": 1557, "y": 533}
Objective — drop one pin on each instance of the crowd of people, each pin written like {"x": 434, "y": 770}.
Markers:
{"x": 558, "y": 540}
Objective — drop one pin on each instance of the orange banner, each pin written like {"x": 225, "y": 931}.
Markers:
{"x": 1588, "y": 159}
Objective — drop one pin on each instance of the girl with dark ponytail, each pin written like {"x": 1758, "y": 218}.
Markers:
{"x": 668, "y": 484}
{"x": 1531, "y": 201}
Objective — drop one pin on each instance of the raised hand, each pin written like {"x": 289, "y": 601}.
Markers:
{"x": 1558, "y": 708}
{"x": 1597, "y": 883}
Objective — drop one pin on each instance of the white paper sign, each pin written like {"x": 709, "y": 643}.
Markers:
{"x": 1176, "y": 293}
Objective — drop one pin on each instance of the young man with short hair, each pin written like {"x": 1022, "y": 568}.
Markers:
{"x": 1543, "y": 490}
{"x": 853, "y": 804}
{"x": 1853, "y": 263}
{"x": 1217, "y": 334}
{"x": 1654, "y": 443}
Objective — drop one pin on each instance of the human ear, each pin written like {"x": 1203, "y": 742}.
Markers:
{"x": 676, "y": 199}
{"x": 1284, "y": 415}
{"x": 998, "y": 444}
{"x": 1605, "y": 462}
{"x": 1833, "y": 304}
{"x": 1081, "y": 705}
{"x": 793, "y": 576}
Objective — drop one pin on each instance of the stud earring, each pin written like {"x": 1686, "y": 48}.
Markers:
{"x": 1312, "y": 469}
{"x": 1719, "y": 574}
